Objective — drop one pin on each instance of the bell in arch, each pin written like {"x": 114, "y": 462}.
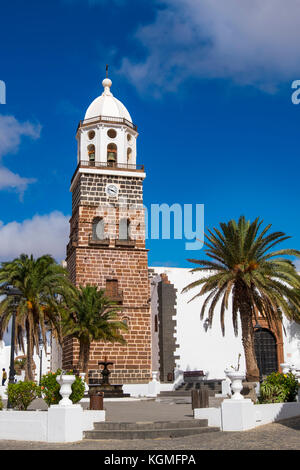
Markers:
{"x": 111, "y": 154}
{"x": 91, "y": 153}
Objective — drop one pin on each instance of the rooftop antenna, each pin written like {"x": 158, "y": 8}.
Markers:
{"x": 106, "y": 71}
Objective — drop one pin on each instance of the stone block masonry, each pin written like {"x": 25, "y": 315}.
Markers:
{"x": 132, "y": 361}
{"x": 90, "y": 189}
{"x": 125, "y": 264}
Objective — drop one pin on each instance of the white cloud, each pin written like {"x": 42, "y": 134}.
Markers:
{"x": 252, "y": 42}
{"x": 43, "y": 234}
{"x": 297, "y": 264}
{"x": 11, "y": 133}
{"x": 8, "y": 179}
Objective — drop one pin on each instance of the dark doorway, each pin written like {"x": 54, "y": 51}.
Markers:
{"x": 265, "y": 351}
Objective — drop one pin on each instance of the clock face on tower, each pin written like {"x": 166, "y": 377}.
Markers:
{"x": 112, "y": 190}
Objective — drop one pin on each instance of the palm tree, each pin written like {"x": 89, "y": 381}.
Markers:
{"x": 91, "y": 317}
{"x": 40, "y": 281}
{"x": 241, "y": 265}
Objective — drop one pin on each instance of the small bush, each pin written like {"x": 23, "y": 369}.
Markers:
{"x": 50, "y": 388}
{"x": 279, "y": 388}
{"x": 21, "y": 394}
{"x": 1, "y": 404}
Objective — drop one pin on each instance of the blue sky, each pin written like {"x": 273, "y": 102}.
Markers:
{"x": 209, "y": 88}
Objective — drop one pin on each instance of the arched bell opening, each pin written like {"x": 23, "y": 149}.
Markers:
{"x": 129, "y": 156}
{"x": 112, "y": 155}
{"x": 91, "y": 153}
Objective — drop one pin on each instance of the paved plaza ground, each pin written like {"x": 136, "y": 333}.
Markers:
{"x": 277, "y": 436}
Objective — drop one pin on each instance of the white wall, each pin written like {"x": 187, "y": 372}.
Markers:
{"x": 209, "y": 350}
{"x": 58, "y": 424}
{"x": 101, "y": 141}
{"x": 5, "y": 360}
{"x": 242, "y": 415}
{"x": 291, "y": 343}
{"x": 154, "y": 312}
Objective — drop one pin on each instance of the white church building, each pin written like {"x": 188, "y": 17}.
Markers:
{"x": 179, "y": 340}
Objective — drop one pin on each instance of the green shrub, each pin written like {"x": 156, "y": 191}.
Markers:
{"x": 1, "y": 404}
{"x": 278, "y": 388}
{"x": 21, "y": 394}
{"x": 50, "y": 388}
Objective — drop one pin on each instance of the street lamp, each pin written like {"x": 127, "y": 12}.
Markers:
{"x": 259, "y": 328}
{"x": 14, "y": 292}
{"x": 41, "y": 357}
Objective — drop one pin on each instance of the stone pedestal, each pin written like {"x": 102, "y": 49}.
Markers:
{"x": 65, "y": 423}
{"x": 237, "y": 415}
{"x": 154, "y": 386}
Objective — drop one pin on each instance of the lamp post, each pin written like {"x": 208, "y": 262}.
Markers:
{"x": 41, "y": 357}
{"x": 12, "y": 291}
{"x": 258, "y": 328}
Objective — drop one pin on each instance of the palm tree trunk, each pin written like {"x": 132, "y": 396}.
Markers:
{"x": 86, "y": 359}
{"x": 245, "y": 308}
{"x": 29, "y": 362}
{"x": 252, "y": 371}
{"x": 81, "y": 357}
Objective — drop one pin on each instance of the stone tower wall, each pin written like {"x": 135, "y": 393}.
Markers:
{"x": 91, "y": 262}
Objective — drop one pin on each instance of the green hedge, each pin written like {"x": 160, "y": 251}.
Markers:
{"x": 278, "y": 388}
{"x": 21, "y": 394}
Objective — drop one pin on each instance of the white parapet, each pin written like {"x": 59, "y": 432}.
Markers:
{"x": 23, "y": 425}
{"x": 64, "y": 422}
{"x": 58, "y": 424}
{"x": 270, "y": 413}
{"x": 213, "y": 416}
{"x": 89, "y": 417}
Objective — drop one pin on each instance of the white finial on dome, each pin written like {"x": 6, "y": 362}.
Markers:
{"x": 107, "y": 83}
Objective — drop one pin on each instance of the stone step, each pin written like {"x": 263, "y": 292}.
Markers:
{"x": 149, "y": 425}
{"x": 147, "y": 434}
{"x": 215, "y": 402}
{"x": 176, "y": 393}
{"x": 213, "y": 386}
{"x": 182, "y": 393}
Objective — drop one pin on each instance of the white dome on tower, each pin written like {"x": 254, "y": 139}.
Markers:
{"x": 107, "y": 105}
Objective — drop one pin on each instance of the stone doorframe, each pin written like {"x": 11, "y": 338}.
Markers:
{"x": 277, "y": 332}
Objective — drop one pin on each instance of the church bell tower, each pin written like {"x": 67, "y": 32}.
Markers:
{"x": 107, "y": 235}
